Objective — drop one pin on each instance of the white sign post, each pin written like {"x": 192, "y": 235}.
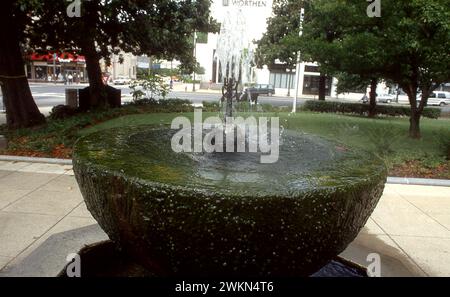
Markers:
{"x": 297, "y": 69}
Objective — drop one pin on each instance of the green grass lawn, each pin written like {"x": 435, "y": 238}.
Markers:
{"x": 387, "y": 137}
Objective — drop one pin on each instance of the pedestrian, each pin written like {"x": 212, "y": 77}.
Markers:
{"x": 364, "y": 99}
{"x": 70, "y": 77}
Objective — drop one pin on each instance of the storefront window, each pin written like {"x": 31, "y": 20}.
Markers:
{"x": 311, "y": 85}
{"x": 41, "y": 72}
{"x": 281, "y": 80}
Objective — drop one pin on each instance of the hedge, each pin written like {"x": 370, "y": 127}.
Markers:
{"x": 361, "y": 109}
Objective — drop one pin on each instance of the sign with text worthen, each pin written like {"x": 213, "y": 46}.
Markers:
{"x": 245, "y": 3}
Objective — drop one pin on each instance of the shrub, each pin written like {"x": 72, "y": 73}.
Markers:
{"x": 149, "y": 87}
{"x": 144, "y": 101}
{"x": 443, "y": 140}
{"x": 162, "y": 105}
{"x": 60, "y": 112}
{"x": 211, "y": 106}
{"x": 361, "y": 109}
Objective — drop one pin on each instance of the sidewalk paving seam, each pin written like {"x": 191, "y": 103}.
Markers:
{"x": 28, "y": 246}
{"x": 421, "y": 210}
{"x": 9, "y": 173}
{"x": 401, "y": 249}
{"x": 31, "y": 191}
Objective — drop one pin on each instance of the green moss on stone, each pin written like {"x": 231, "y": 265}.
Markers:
{"x": 226, "y": 214}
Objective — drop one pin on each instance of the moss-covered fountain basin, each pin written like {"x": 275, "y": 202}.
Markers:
{"x": 226, "y": 214}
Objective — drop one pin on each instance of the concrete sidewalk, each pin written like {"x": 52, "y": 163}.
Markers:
{"x": 410, "y": 228}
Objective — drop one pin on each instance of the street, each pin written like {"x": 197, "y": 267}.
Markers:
{"x": 48, "y": 95}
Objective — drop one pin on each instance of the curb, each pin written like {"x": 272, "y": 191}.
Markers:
{"x": 419, "y": 181}
{"x": 390, "y": 180}
{"x": 35, "y": 160}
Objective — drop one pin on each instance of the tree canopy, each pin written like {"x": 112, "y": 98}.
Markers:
{"x": 407, "y": 45}
{"x": 158, "y": 28}
{"x": 285, "y": 21}
{"x": 161, "y": 29}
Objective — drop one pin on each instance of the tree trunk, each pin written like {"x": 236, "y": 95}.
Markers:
{"x": 373, "y": 97}
{"x": 97, "y": 89}
{"x": 414, "y": 125}
{"x": 21, "y": 110}
{"x": 414, "y": 128}
{"x": 416, "y": 113}
{"x": 322, "y": 86}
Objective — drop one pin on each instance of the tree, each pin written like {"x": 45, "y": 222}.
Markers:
{"x": 284, "y": 25}
{"x": 285, "y": 20}
{"x": 407, "y": 45}
{"x": 21, "y": 110}
{"x": 343, "y": 40}
{"x": 160, "y": 29}
{"x": 418, "y": 34}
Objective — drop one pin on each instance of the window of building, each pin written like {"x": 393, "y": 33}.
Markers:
{"x": 311, "y": 85}
{"x": 281, "y": 80}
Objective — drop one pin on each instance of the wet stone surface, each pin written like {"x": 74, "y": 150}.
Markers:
{"x": 226, "y": 213}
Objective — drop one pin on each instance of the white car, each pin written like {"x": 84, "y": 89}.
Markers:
{"x": 122, "y": 80}
{"x": 439, "y": 98}
{"x": 386, "y": 98}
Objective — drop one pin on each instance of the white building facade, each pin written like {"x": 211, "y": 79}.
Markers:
{"x": 122, "y": 65}
{"x": 282, "y": 79}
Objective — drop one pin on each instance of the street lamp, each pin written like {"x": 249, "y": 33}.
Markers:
{"x": 297, "y": 69}
{"x": 195, "y": 58}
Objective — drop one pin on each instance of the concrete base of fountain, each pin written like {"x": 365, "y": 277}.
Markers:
{"x": 104, "y": 260}
{"x": 225, "y": 214}
{"x": 49, "y": 258}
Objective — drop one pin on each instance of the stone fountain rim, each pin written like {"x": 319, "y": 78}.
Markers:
{"x": 182, "y": 190}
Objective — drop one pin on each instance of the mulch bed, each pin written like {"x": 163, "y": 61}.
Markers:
{"x": 414, "y": 168}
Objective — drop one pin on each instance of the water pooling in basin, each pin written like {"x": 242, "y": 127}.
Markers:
{"x": 305, "y": 161}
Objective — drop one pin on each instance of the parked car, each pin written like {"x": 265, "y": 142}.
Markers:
{"x": 439, "y": 98}
{"x": 386, "y": 98}
{"x": 268, "y": 90}
{"x": 122, "y": 80}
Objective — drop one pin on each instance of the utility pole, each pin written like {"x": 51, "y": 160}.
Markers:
{"x": 54, "y": 67}
{"x": 171, "y": 74}
{"x": 288, "y": 70}
{"x": 195, "y": 59}
{"x": 113, "y": 66}
{"x": 297, "y": 69}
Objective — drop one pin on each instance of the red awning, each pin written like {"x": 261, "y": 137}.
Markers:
{"x": 61, "y": 57}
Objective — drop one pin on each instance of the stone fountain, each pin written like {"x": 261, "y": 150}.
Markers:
{"x": 211, "y": 214}
{"x": 226, "y": 214}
